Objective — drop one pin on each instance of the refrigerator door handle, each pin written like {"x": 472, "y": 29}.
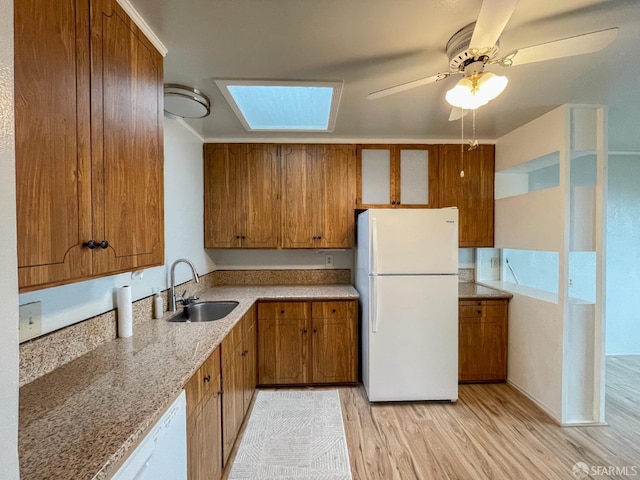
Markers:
{"x": 374, "y": 247}
{"x": 373, "y": 306}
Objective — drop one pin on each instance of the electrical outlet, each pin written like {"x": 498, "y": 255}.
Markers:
{"x": 30, "y": 320}
{"x": 494, "y": 262}
{"x": 328, "y": 260}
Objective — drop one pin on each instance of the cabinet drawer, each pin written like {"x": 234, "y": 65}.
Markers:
{"x": 339, "y": 309}
{"x": 493, "y": 308}
{"x": 282, "y": 310}
{"x": 204, "y": 382}
{"x": 231, "y": 341}
{"x": 210, "y": 371}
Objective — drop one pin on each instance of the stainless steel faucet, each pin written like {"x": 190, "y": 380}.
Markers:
{"x": 196, "y": 278}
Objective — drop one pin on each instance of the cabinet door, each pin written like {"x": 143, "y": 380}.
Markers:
{"x": 397, "y": 176}
{"x": 204, "y": 440}
{"x": 222, "y": 167}
{"x": 473, "y": 194}
{"x": 127, "y": 143}
{"x": 283, "y": 350}
{"x": 232, "y": 400}
{"x": 52, "y": 135}
{"x": 333, "y": 344}
{"x": 259, "y": 187}
{"x": 376, "y": 177}
{"x": 417, "y": 185}
{"x": 302, "y": 181}
{"x": 250, "y": 367}
{"x": 482, "y": 354}
{"x": 338, "y": 197}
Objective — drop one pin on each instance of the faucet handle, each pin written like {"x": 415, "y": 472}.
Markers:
{"x": 189, "y": 301}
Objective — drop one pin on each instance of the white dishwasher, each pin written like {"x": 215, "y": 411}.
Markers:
{"x": 162, "y": 454}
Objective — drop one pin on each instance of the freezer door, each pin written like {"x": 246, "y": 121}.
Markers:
{"x": 413, "y": 241}
{"x": 412, "y": 338}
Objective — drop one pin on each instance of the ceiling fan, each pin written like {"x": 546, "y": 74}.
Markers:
{"x": 475, "y": 46}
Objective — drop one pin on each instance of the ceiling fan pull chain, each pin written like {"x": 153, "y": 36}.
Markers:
{"x": 473, "y": 144}
{"x": 462, "y": 145}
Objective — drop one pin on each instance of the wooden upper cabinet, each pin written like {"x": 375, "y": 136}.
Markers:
{"x": 397, "y": 176}
{"x": 221, "y": 198}
{"x": 259, "y": 187}
{"x": 127, "y": 143}
{"x": 52, "y": 133}
{"x": 473, "y": 194}
{"x": 301, "y": 196}
{"x": 241, "y": 184}
{"x": 336, "y": 227}
{"x": 318, "y": 196}
{"x": 89, "y": 144}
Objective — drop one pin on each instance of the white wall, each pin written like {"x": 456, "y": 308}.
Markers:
{"x": 8, "y": 257}
{"x": 184, "y": 237}
{"x": 623, "y": 256}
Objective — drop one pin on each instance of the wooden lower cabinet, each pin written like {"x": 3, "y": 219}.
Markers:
{"x": 482, "y": 340}
{"x": 218, "y": 398}
{"x": 238, "y": 378}
{"x": 307, "y": 342}
{"x": 204, "y": 425}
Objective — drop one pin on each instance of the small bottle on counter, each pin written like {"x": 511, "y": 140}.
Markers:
{"x": 158, "y": 309}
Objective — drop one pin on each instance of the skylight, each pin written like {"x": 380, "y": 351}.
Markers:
{"x": 283, "y": 105}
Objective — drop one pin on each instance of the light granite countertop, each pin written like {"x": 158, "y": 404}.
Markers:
{"x": 79, "y": 421}
{"x": 473, "y": 291}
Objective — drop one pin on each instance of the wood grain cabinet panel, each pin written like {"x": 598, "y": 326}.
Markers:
{"x": 89, "y": 158}
{"x": 52, "y": 134}
{"x": 238, "y": 378}
{"x": 242, "y": 202}
{"x": 127, "y": 141}
{"x": 307, "y": 342}
{"x": 482, "y": 341}
{"x": 334, "y": 346}
{"x": 302, "y": 180}
{"x": 318, "y": 196}
{"x": 204, "y": 422}
{"x": 473, "y": 194}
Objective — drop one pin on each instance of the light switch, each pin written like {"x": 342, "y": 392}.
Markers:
{"x": 30, "y": 320}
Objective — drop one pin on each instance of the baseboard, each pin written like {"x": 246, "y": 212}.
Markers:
{"x": 538, "y": 403}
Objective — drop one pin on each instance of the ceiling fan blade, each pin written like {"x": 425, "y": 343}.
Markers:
{"x": 457, "y": 113}
{"x": 567, "y": 47}
{"x": 407, "y": 86}
{"x": 494, "y": 15}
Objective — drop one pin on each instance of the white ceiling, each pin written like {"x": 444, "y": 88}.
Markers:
{"x": 374, "y": 44}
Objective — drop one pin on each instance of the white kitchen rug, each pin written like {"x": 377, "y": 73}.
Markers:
{"x": 293, "y": 434}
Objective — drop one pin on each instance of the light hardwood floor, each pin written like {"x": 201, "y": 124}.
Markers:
{"x": 493, "y": 432}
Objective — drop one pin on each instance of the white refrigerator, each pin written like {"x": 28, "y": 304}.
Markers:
{"x": 407, "y": 278}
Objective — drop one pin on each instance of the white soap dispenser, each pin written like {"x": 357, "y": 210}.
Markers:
{"x": 158, "y": 309}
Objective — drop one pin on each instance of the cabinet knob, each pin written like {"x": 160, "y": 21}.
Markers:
{"x": 104, "y": 244}
{"x": 315, "y": 330}
{"x": 479, "y": 312}
{"x": 281, "y": 311}
{"x": 304, "y": 331}
{"x": 207, "y": 378}
{"x": 333, "y": 311}
{"x": 91, "y": 244}
{"x": 237, "y": 237}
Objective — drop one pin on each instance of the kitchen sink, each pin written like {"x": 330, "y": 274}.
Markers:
{"x": 204, "y": 312}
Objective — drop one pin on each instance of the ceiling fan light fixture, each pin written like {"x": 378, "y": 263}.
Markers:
{"x": 462, "y": 95}
{"x": 476, "y": 90}
{"x": 491, "y": 85}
